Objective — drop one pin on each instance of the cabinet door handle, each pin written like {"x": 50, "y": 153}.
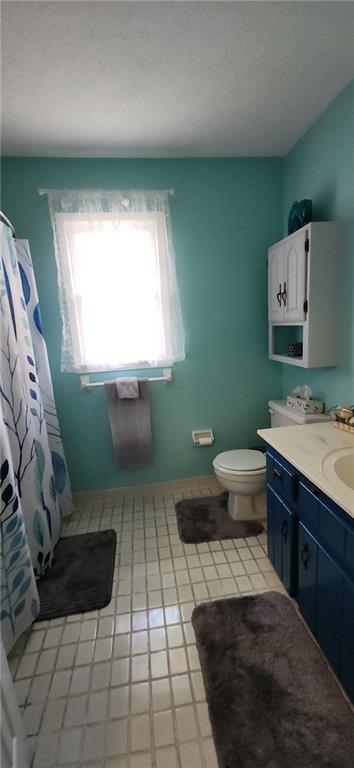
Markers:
{"x": 305, "y": 555}
{"x": 279, "y": 295}
{"x": 284, "y": 295}
{"x": 284, "y": 530}
{"x": 276, "y": 472}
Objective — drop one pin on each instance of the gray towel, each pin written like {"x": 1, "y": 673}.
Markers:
{"x": 130, "y": 425}
{"x": 128, "y": 388}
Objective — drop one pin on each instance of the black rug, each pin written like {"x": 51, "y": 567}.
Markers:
{"x": 273, "y": 702}
{"x": 81, "y": 577}
{"x": 207, "y": 519}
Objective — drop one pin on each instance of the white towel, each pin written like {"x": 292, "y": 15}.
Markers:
{"x": 130, "y": 426}
{"x": 128, "y": 388}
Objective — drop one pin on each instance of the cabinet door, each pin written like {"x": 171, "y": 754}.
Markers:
{"x": 287, "y": 532}
{"x": 307, "y": 576}
{"x": 275, "y": 282}
{"x": 294, "y": 277}
{"x": 271, "y": 520}
{"x": 347, "y": 646}
{"x": 273, "y": 527}
{"x": 329, "y": 607}
{"x": 281, "y": 540}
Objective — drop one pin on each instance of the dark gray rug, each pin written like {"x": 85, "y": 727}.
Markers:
{"x": 273, "y": 702}
{"x": 81, "y": 577}
{"x": 207, "y": 519}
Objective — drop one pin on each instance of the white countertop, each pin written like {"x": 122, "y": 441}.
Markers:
{"x": 308, "y": 448}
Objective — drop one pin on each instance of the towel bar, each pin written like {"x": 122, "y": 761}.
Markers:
{"x": 86, "y": 384}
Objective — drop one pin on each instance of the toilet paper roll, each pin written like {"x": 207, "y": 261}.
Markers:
{"x": 205, "y": 441}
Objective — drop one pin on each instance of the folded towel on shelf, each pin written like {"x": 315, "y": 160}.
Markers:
{"x": 128, "y": 388}
{"x": 130, "y": 425}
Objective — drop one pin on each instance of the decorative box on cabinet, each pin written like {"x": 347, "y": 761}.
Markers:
{"x": 304, "y": 276}
{"x": 311, "y": 545}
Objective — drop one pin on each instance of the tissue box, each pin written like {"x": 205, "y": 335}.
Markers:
{"x": 304, "y": 406}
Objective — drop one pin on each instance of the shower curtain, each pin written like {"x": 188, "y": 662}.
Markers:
{"x": 34, "y": 483}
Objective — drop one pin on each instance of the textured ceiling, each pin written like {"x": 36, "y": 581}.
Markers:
{"x": 159, "y": 79}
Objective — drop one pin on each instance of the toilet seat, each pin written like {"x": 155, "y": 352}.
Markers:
{"x": 242, "y": 473}
{"x": 241, "y": 461}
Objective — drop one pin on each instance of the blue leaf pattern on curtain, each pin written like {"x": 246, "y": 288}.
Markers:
{"x": 40, "y": 367}
{"x": 25, "y": 284}
{"x": 31, "y": 505}
{"x": 9, "y": 298}
{"x": 19, "y": 595}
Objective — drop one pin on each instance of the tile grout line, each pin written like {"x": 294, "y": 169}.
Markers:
{"x": 148, "y": 549}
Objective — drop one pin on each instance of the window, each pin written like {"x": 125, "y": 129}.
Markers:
{"x": 119, "y": 294}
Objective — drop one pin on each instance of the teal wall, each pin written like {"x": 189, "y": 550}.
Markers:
{"x": 321, "y": 167}
{"x": 224, "y": 215}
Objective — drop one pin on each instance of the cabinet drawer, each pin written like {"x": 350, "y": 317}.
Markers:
{"x": 282, "y": 478}
{"x": 308, "y": 505}
{"x": 331, "y": 530}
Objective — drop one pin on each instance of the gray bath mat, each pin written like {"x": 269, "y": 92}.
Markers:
{"x": 273, "y": 702}
{"x": 81, "y": 577}
{"x": 207, "y": 519}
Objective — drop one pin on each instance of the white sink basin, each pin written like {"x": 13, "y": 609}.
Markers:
{"x": 339, "y": 465}
{"x": 344, "y": 468}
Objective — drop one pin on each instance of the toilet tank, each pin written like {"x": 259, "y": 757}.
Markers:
{"x": 282, "y": 416}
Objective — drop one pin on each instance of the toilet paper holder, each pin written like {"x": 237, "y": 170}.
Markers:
{"x": 202, "y": 436}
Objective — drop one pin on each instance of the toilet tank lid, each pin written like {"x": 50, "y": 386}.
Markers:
{"x": 243, "y": 460}
{"x": 296, "y": 416}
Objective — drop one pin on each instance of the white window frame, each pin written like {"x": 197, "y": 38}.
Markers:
{"x": 64, "y": 223}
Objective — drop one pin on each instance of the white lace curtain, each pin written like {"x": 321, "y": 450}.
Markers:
{"x": 118, "y": 289}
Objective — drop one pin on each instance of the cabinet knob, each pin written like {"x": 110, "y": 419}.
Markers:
{"x": 276, "y": 472}
{"x": 279, "y": 295}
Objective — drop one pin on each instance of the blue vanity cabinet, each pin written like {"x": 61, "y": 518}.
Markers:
{"x": 316, "y": 562}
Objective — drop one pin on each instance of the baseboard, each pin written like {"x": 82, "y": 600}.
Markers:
{"x": 147, "y": 490}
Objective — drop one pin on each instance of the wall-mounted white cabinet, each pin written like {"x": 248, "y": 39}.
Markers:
{"x": 287, "y": 262}
{"x": 304, "y": 275}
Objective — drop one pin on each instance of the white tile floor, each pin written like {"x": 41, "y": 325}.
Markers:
{"x": 122, "y": 687}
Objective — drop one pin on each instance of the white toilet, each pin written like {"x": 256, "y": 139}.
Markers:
{"x": 243, "y": 472}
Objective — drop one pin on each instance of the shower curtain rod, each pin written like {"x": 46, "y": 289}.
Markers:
{"x": 8, "y": 222}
